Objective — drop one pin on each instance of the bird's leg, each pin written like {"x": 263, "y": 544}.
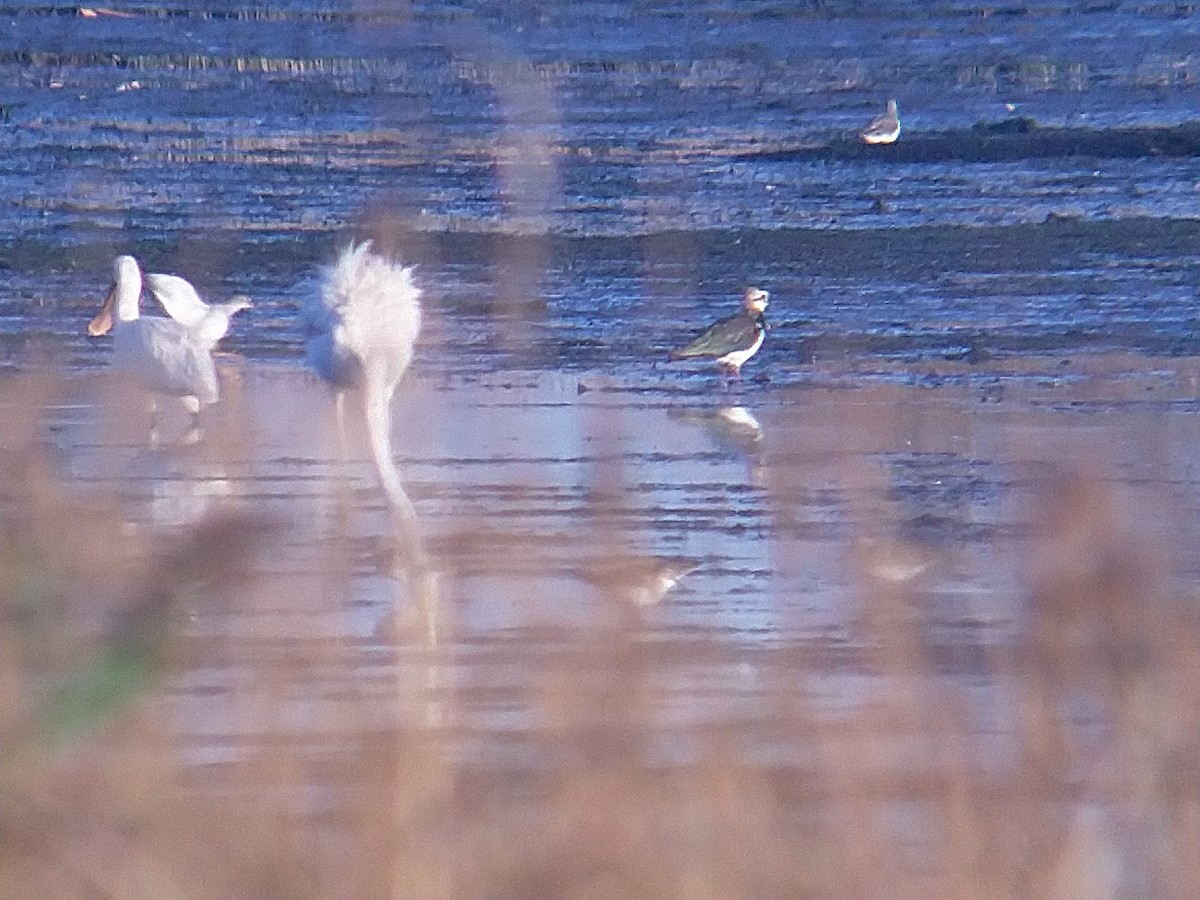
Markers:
{"x": 192, "y": 405}
{"x": 155, "y": 438}
{"x": 343, "y": 477}
{"x": 339, "y": 405}
{"x": 730, "y": 374}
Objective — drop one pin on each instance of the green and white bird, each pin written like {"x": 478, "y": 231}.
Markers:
{"x": 733, "y": 340}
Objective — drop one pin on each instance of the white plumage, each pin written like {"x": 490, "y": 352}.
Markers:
{"x": 208, "y": 321}
{"x": 164, "y": 355}
{"x": 360, "y": 333}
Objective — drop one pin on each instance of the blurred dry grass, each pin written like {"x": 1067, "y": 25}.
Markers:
{"x": 1083, "y": 782}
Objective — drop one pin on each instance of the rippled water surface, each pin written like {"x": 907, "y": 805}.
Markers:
{"x": 796, "y": 514}
{"x": 1009, "y": 290}
{"x": 582, "y": 183}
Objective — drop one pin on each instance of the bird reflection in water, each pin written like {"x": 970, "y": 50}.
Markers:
{"x": 891, "y": 561}
{"x": 185, "y": 484}
{"x": 734, "y": 430}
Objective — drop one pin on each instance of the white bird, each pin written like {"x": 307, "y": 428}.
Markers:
{"x": 208, "y": 321}
{"x": 164, "y": 355}
{"x": 360, "y": 333}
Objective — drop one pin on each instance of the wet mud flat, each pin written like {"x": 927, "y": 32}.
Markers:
{"x": 920, "y": 615}
{"x": 610, "y": 307}
{"x": 1012, "y": 138}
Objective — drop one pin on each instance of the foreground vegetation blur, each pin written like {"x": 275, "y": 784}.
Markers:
{"x": 165, "y": 732}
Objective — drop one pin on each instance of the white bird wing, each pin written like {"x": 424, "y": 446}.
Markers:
{"x": 377, "y": 303}
{"x": 209, "y": 322}
{"x": 325, "y": 349}
{"x": 365, "y": 316}
{"x": 179, "y": 299}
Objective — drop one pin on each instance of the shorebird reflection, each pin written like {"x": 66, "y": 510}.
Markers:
{"x": 733, "y": 428}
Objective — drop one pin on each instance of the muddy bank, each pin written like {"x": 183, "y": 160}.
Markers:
{"x": 613, "y": 306}
{"x": 1008, "y": 140}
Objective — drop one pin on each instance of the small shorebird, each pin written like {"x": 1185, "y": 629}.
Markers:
{"x": 164, "y": 355}
{"x": 208, "y": 321}
{"x": 884, "y": 128}
{"x": 637, "y": 580}
{"x": 732, "y": 341}
{"x": 359, "y": 335}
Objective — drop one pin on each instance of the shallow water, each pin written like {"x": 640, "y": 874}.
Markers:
{"x": 794, "y": 510}
{"x": 957, "y": 320}
{"x": 584, "y": 185}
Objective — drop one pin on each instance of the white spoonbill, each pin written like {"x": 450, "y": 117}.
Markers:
{"x": 164, "y": 355}
{"x": 360, "y": 333}
{"x": 208, "y": 321}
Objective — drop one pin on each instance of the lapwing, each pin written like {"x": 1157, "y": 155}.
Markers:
{"x": 733, "y": 340}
